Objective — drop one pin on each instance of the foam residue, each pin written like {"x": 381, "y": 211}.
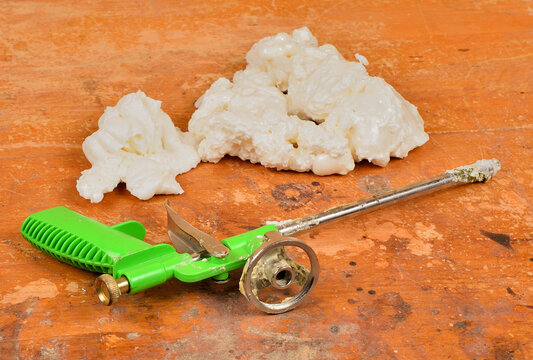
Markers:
{"x": 480, "y": 171}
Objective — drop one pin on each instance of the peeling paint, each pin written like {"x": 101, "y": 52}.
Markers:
{"x": 382, "y": 264}
{"x": 133, "y": 335}
{"x": 72, "y": 287}
{"x": 50, "y": 353}
{"x": 427, "y": 232}
{"x": 42, "y": 289}
{"x": 243, "y": 197}
{"x": 422, "y": 244}
{"x": 382, "y": 231}
{"x": 362, "y": 245}
{"x": 113, "y": 340}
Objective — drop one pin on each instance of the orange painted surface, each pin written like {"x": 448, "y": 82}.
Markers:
{"x": 417, "y": 280}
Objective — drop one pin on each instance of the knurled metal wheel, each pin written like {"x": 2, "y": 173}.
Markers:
{"x": 107, "y": 289}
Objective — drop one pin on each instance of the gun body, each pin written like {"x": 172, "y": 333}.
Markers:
{"x": 120, "y": 251}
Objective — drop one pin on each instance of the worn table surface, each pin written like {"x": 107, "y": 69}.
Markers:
{"x": 444, "y": 276}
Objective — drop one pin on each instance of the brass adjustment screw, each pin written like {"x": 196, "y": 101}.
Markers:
{"x": 109, "y": 289}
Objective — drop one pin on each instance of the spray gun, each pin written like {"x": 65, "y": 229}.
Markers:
{"x": 279, "y": 270}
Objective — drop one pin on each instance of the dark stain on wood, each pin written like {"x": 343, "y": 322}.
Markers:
{"x": 396, "y": 244}
{"x": 506, "y": 349}
{"x": 511, "y": 292}
{"x": 460, "y": 325}
{"x": 292, "y": 196}
{"x": 386, "y": 311}
{"x": 502, "y": 239}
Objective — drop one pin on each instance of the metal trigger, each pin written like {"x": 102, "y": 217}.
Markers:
{"x": 188, "y": 239}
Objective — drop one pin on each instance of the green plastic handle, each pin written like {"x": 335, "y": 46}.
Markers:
{"x": 120, "y": 251}
{"x": 82, "y": 241}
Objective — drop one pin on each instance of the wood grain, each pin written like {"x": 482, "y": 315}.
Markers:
{"x": 420, "y": 280}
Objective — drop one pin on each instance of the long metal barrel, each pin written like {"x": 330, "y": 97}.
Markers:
{"x": 480, "y": 171}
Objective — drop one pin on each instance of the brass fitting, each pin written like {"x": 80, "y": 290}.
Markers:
{"x": 109, "y": 289}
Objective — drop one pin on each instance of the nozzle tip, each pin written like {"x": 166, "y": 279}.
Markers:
{"x": 480, "y": 171}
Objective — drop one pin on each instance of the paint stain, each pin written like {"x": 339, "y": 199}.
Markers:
{"x": 374, "y": 184}
{"x": 511, "y": 292}
{"x": 502, "y": 239}
{"x": 190, "y": 314}
{"x": 386, "y": 311}
{"x": 118, "y": 310}
{"x": 526, "y": 306}
{"x": 51, "y": 352}
{"x": 506, "y": 349}
{"x": 90, "y": 85}
{"x": 396, "y": 244}
{"x": 292, "y": 196}
{"x": 460, "y": 325}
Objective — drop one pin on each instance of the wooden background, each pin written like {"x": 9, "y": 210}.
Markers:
{"x": 443, "y": 276}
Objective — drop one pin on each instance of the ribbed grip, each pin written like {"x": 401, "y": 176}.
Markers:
{"x": 81, "y": 241}
{"x": 65, "y": 246}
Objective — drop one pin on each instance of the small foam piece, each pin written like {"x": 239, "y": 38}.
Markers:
{"x": 137, "y": 144}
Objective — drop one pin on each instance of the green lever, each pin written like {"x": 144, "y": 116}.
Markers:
{"x": 120, "y": 251}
